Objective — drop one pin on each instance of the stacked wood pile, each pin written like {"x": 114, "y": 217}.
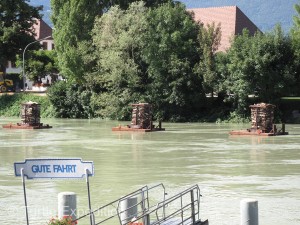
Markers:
{"x": 141, "y": 116}
{"x": 30, "y": 113}
{"x": 262, "y": 116}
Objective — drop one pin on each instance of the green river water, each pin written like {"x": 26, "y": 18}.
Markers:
{"x": 226, "y": 168}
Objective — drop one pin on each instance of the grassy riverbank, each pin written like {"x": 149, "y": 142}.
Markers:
{"x": 287, "y": 111}
{"x": 10, "y": 104}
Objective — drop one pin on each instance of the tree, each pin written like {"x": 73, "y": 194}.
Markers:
{"x": 16, "y": 22}
{"x": 262, "y": 64}
{"x": 209, "y": 40}
{"x": 40, "y": 64}
{"x": 121, "y": 76}
{"x": 147, "y": 56}
{"x": 124, "y": 4}
{"x": 73, "y": 21}
{"x": 170, "y": 51}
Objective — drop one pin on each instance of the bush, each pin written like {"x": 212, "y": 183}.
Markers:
{"x": 70, "y": 100}
{"x": 11, "y": 104}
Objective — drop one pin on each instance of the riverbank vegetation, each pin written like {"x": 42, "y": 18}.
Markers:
{"x": 11, "y": 104}
{"x": 158, "y": 53}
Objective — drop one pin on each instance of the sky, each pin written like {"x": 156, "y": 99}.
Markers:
{"x": 264, "y": 13}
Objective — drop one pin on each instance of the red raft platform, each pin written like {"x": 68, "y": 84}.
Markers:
{"x": 30, "y": 117}
{"x": 262, "y": 117}
{"x": 128, "y": 128}
{"x": 258, "y": 132}
{"x": 26, "y": 126}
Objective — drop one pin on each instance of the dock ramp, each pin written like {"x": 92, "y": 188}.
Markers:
{"x": 150, "y": 206}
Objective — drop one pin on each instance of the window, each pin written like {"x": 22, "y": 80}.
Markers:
{"x": 45, "y": 45}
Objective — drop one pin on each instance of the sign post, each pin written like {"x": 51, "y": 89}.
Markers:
{"x": 62, "y": 168}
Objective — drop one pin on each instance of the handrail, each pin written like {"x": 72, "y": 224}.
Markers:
{"x": 140, "y": 191}
{"x": 190, "y": 206}
{"x": 187, "y": 210}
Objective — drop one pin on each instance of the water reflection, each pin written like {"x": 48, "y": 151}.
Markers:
{"x": 227, "y": 168}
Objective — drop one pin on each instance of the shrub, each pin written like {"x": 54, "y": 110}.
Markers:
{"x": 70, "y": 100}
{"x": 11, "y": 104}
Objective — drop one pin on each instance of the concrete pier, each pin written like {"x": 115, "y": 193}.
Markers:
{"x": 67, "y": 205}
{"x": 249, "y": 211}
{"x": 129, "y": 209}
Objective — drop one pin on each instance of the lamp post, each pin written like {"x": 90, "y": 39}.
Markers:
{"x": 24, "y": 78}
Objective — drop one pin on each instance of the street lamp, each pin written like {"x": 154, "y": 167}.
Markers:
{"x": 24, "y": 79}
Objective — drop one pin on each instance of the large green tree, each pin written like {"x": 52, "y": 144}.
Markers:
{"x": 16, "y": 22}
{"x": 73, "y": 21}
{"x": 40, "y": 64}
{"x": 148, "y": 55}
{"x": 262, "y": 64}
{"x": 170, "y": 50}
{"x": 121, "y": 76}
{"x": 209, "y": 38}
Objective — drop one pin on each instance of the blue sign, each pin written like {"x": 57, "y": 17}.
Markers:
{"x": 54, "y": 168}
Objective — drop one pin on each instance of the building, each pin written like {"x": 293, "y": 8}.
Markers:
{"x": 41, "y": 31}
{"x": 231, "y": 19}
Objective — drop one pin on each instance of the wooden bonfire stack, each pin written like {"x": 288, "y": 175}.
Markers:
{"x": 30, "y": 117}
{"x": 141, "y": 119}
{"x": 141, "y": 116}
{"x": 262, "y": 122}
{"x": 30, "y": 113}
{"x": 262, "y": 116}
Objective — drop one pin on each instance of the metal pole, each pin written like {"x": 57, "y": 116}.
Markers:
{"x": 192, "y": 207}
{"x": 25, "y": 199}
{"x": 249, "y": 211}
{"x": 89, "y": 196}
{"x": 24, "y": 79}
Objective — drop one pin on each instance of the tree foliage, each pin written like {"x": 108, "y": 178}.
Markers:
{"x": 124, "y": 4}
{"x": 70, "y": 100}
{"x": 209, "y": 38}
{"x": 73, "y": 21}
{"x": 16, "y": 21}
{"x": 261, "y": 64}
{"x": 40, "y": 64}
{"x": 171, "y": 54}
{"x": 147, "y": 55}
{"x": 118, "y": 41}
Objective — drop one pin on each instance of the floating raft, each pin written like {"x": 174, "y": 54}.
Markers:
{"x": 30, "y": 117}
{"x": 256, "y": 132}
{"x": 26, "y": 126}
{"x": 141, "y": 120}
{"x": 262, "y": 117}
{"x": 128, "y": 128}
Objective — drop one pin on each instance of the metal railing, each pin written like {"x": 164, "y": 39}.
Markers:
{"x": 143, "y": 204}
{"x": 180, "y": 209}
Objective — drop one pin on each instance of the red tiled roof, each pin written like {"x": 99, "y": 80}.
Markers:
{"x": 41, "y": 29}
{"x": 231, "y": 18}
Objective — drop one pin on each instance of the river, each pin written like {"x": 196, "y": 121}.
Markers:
{"x": 226, "y": 168}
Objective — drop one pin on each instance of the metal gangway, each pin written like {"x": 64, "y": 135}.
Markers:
{"x": 141, "y": 208}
